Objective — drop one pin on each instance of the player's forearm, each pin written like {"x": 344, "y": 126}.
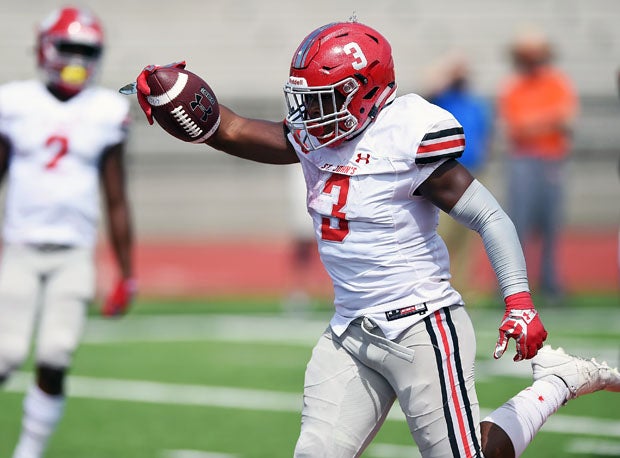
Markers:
{"x": 478, "y": 210}
{"x": 253, "y": 139}
{"x": 4, "y": 157}
{"x": 121, "y": 239}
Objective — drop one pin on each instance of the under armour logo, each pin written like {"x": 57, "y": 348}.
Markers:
{"x": 206, "y": 111}
{"x": 361, "y": 158}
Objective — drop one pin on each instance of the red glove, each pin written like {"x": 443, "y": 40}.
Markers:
{"x": 119, "y": 300}
{"x": 144, "y": 90}
{"x": 521, "y": 322}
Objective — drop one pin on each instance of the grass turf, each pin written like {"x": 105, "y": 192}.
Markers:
{"x": 95, "y": 428}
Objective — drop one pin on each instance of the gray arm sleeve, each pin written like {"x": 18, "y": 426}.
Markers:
{"x": 478, "y": 210}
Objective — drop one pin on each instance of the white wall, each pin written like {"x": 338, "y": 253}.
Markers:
{"x": 243, "y": 49}
{"x": 242, "y": 46}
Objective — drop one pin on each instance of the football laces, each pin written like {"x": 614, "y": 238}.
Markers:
{"x": 188, "y": 125}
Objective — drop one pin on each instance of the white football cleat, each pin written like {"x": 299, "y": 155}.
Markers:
{"x": 581, "y": 376}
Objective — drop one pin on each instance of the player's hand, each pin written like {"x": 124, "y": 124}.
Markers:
{"x": 119, "y": 300}
{"x": 522, "y": 323}
{"x": 144, "y": 90}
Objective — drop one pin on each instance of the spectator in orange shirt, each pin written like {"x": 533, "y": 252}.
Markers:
{"x": 537, "y": 106}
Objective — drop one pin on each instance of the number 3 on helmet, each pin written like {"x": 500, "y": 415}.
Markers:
{"x": 341, "y": 75}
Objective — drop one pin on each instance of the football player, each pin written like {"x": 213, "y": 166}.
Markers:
{"x": 378, "y": 170}
{"x": 60, "y": 138}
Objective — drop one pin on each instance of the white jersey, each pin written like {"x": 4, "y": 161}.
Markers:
{"x": 56, "y": 149}
{"x": 377, "y": 239}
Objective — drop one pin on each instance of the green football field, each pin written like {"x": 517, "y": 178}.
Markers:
{"x": 222, "y": 378}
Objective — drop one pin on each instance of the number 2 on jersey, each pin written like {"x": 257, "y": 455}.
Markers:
{"x": 336, "y": 234}
{"x": 60, "y": 145}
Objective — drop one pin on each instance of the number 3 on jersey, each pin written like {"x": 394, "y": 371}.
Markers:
{"x": 338, "y": 233}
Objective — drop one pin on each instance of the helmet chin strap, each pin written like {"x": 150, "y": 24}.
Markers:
{"x": 390, "y": 90}
{"x": 388, "y": 95}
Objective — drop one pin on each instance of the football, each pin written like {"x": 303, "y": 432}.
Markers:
{"x": 183, "y": 104}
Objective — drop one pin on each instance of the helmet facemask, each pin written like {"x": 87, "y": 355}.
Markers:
{"x": 69, "y": 48}
{"x": 318, "y": 116}
{"x": 341, "y": 76}
{"x": 69, "y": 66}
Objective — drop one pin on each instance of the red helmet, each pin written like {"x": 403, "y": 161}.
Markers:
{"x": 346, "y": 70}
{"x": 69, "y": 48}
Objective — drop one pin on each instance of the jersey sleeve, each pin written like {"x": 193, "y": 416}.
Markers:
{"x": 443, "y": 140}
{"x": 115, "y": 116}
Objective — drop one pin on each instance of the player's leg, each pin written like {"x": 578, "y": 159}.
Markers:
{"x": 69, "y": 288}
{"x": 436, "y": 391}
{"x": 523, "y": 186}
{"x": 345, "y": 401}
{"x": 558, "y": 378}
{"x": 42, "y": 412}
{"x": 552, "y": 199}
{"x": 513, "y": 425}
{"x": 19, "y": 287}
{"x": 495, "y": 442}
{"x": 51, "y": 380}
{"x": 302, "y": 283}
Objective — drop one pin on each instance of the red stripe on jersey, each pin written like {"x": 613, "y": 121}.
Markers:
{"x": 453, "y": 382}
{"x": 441, "y": 145}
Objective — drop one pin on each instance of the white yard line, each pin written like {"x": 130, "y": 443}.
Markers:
{"x": 301, "y": 330}
{"x": 593, "y": 447}
{"x": 293, "y": 330}
{"x": 168, "y": 393}
{"x": 374, "y": 450}
{"x": 393, "y": 451}
{"x": 194, "y": 454}
{"x": 247, "y": 399}
{"x": 182, "y": 328}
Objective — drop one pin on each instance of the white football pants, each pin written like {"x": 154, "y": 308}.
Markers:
{"x": 352, "y": 381}
{"x": 48, "y": 291}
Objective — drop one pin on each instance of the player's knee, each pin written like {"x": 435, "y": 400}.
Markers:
{"x": 310, "y": 445}
{"x": 53, "y": 360}
{"x": 55, "y": 354}
{"x": 51, "y": 379}
{"x": 313, "y": 444}
{"x": 495, "y": 441}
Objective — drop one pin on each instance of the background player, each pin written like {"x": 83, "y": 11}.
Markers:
{"x": 537, "y": 106}
{"x": 303, "y": 245}
{"x": 450, "y": 86}
{"x": 378, "y": 168}
{"x": 58, "y": 141}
